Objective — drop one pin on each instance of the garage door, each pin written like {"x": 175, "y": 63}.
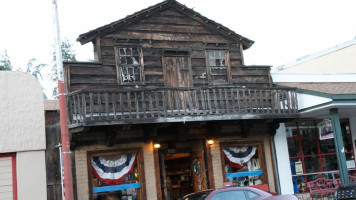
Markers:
{"x": 7, "y": 177}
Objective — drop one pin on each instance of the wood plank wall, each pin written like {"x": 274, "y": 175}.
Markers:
{"x": 166, "y": 30}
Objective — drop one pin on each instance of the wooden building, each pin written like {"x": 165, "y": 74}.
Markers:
{"x": 165, "y": 81}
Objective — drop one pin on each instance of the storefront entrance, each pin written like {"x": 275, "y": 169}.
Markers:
{"x": 182, "y": 173}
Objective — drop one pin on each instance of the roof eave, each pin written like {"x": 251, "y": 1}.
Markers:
{"x": 91, "y": 35}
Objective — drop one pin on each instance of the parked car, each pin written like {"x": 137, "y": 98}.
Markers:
{"x": 236, "y": 193}
{"x": 346, "y": 192}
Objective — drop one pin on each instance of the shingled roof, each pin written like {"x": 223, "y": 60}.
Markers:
{"x": 324, "y": 87}
{"x": 130, "y": 19}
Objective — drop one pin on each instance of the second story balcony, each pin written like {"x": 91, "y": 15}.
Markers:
{"x": 94, "y": 107}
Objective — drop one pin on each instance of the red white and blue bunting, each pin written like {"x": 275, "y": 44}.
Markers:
{"x": 112, "y": 170}
{"x": 239, "y": 156}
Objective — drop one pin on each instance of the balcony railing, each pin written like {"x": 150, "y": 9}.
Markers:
{"x": 90, "y": 107}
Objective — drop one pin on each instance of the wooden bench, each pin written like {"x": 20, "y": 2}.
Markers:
{"x": 323, "y": 187}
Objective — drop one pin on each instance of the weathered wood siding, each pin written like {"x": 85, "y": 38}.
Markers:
{"x": 53, "y": 138}
{"x": 53, "y": 173}
{"x": 167, "y": 30}
{"x": 89, "y": 76}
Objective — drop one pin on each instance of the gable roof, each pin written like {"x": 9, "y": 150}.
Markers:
{"x": 130, "y": 19}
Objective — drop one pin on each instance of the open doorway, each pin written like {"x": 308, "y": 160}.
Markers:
{"x": 182, "y": 173}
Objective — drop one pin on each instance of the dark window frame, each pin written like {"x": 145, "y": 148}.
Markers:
{"x": 260, "y": 151}
{"x": 139, "y": 162}
{"x": 319, "y": 155}
{"x": 209, "y": 67}
{"x": 119, "y": 67}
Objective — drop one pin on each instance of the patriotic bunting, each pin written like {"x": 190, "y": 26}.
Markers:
{"x": 112, "y": 170}
{"x": 239, "y": 156}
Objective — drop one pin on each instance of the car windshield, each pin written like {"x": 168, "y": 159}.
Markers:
{"x": 198, "y": 196}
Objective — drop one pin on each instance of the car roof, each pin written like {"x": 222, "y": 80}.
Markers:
{"x": 200, "y": 192}
{"x": 229, "y": 188}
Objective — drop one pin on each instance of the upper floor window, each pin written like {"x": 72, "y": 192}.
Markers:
{"x": 129, "y": 65}
{"x": 218, "y": 66}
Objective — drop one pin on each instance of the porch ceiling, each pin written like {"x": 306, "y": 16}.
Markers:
{"x": 323, "y": 111}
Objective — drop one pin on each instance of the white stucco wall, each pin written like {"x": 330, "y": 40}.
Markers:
{"x": 282, "y": 156}
{"x": 329, "y": 63}
{"x": 31, "y": 175}
{"x": 22, "y": 125}
{"x": 22, "y": 131}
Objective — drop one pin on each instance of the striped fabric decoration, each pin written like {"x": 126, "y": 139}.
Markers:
{"x": 239, "y": 156}
{"x": 112, "y": 170}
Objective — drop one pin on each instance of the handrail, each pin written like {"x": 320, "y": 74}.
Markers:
{"x": 133, "y": 88}
{"x": 156, "y": 103}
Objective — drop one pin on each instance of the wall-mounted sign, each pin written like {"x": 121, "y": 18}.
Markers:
{"x": 171, "y": 151}
{"x": 298, "y": 167}
{"x": 325, "y": 129}
{"x": 350, "y": 164}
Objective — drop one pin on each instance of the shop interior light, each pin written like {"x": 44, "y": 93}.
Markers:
{"x": 157, "y": 146}
{"x": 210, "y": 141}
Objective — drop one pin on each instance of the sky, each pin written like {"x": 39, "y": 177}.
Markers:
{"x": 283, "y": 30}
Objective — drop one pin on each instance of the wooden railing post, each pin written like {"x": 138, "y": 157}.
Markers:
{"x": 137, "y": 108}
{"x": 106, "y": 105}
{"x": 91, "y": 105}
{"x": 143, "y": 104}
{"x": 99, "y": 104}
{"x": 114, "y": 105}
{"x": 128, "y": 95}
{"x": 84, "y": 105}
{"x": 75, "y": 109}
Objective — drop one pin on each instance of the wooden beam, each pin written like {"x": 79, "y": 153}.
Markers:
{"x": 183, "y": 130}
{"x": 209, "y": 165}
{"x": 273, "y": 126}
{"x": 77, "y": 129}
{"x": 214, "y": 130}
{"x": 149, "y": 132}
{"x": 246, "y": 128}
{"x": 110, "y": 137}
{"x": 157, "y": 174}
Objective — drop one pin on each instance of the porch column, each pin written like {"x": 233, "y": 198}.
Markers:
{"x": 282, "y": 156}
{"x": 339, "y": 145}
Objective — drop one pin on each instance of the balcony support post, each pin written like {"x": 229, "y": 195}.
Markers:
{"x": 339, "y": 145}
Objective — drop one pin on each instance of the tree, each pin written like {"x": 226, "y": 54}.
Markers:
{"x": 35, "y": 69}
{"x": 68, "y": 54}
{"x": 5, "y": 63}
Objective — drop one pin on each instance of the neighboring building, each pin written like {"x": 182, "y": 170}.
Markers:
{"x": 168, "y": 76}
{"x": 335, "y": 60}
{"x": 326, "y": 83}
{"x": 53, "y": 141}
{"x": 22, "y": 137}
